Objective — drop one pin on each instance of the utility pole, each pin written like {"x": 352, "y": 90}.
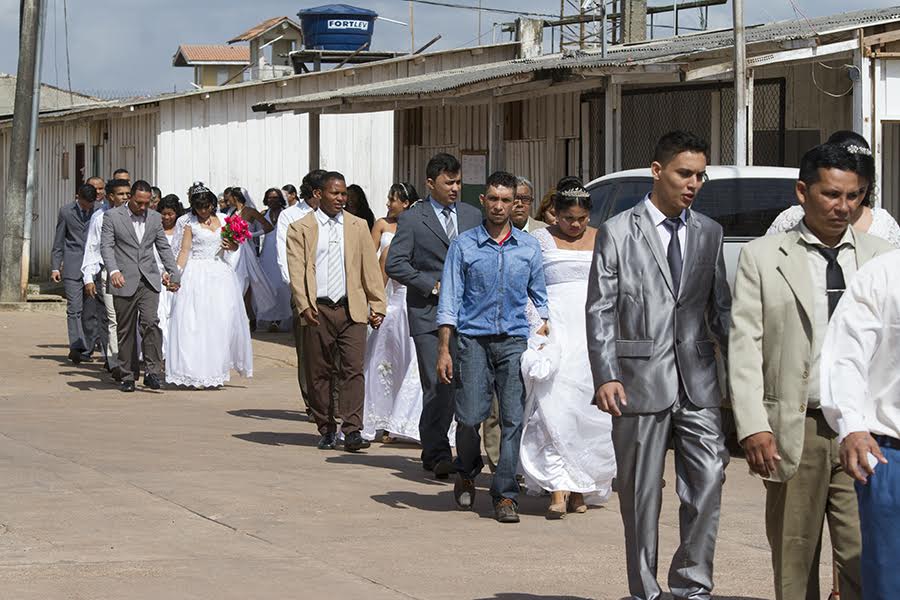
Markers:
{"x": 740, "y": 86}
{"x": 412, "y": 30}
{"x": 15, "y": 245}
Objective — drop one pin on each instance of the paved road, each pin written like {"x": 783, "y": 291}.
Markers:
{"x": 222, "y": 494}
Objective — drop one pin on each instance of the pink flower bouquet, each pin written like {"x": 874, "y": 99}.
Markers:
{"x": 236, "y": 230}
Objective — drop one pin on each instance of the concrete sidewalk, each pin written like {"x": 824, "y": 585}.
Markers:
{"x": 222, "y": 494}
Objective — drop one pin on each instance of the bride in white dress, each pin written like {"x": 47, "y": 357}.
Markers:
{"x": 202, "y": 349}
{"x": 393, "y": 400}
{"x": 566, "y": 445}
{"x": 867, "y": 219}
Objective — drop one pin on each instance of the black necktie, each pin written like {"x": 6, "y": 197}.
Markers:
{"x": 673, "y": 254}
{"x": 834, "y": 278}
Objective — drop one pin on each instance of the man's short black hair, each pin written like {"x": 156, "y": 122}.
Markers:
{"x": 310, "y": 183}
{"x": 141, "y": 186}
{"x": 675, "y": 142}
{"x": 327, "y": 178}
{"x": 87, "y": 192}
{"x": 501, "y": 179}
{"x": 442, "y": 163}
{"x": 156, "y": 192}
{"x": 835, "y": 156}
{"x": 113, "y": 184}
{"x": 118, "y": 172}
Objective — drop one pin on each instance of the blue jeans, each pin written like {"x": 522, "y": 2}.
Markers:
{"x": 486, "y": 365}
{"x": 879, "y": 523}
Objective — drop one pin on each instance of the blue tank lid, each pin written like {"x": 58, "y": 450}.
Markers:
{"x": 337, "y": 9}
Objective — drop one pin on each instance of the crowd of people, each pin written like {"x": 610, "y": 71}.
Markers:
{"x": 571, "y": 356}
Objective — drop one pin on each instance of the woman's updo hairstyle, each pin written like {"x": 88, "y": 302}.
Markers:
{"x": 570, "y": 192}
{"x": 857, "y": 145}
{"x": 200, "y": 196}
{"x": 405, "y": 191}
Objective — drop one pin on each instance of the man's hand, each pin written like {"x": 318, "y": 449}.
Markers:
{"x": 445, "y": 367}
{"x": 609, "y": 396}
{"x": 375, "y": 320}
{"x": 544, "y": 330}
{"x": 55, "y": 277}
{"x": 436, "y": 290}
{"x": 855, "y": 451}
{"x": 90, "y": 289}
{"x": 117, "y": 280}
{"x": 309, "y": 315}
{"x": 762, "y": 453}
{"x": 165, "y": 279}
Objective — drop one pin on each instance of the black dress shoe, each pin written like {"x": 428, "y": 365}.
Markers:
{"x": 151, "y": 381}
{"x": 443, "y": 468}
{"x": 75, "y": 356}
{"x": 127, "y": 386}
{"x": 116, "y": 373}
{"x": 326, "y": 442}
{"x": 354, "y": 442}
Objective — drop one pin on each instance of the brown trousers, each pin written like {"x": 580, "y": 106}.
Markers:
{"x": 335, "y": 329}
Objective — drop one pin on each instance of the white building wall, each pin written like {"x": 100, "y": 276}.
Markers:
{"x": 361, "y": 147}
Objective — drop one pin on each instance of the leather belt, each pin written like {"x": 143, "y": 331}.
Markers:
{"x": 331, "y": 303}
{"x": 887, "y": 441}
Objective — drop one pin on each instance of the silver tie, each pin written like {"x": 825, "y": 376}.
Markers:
{"x": 335, "y": 279}
{"x": 449, "y": 225}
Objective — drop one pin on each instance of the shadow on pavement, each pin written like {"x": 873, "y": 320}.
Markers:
{"x": 404, "y": 467}
{"x": 440, "y": 502}
{"x": 264, "y": 414}
{"x": 271, "y": 438}
{"x": 517, "y": 596}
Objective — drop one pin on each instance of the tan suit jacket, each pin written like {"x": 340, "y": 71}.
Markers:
{"x": 365, "y": 285}
{"x": 771, "y": 340}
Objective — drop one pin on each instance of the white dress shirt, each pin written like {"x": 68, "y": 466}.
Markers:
{"x": 439, "y": 211}
{"x": 287, "y": 216}
{"x": 665, "y": 235}
{"x": 92, "y": 261}
{"x": 860, "y": 363}
{"x": 817, "y": 266}
{"x": 139, "y": 222}
{"x": 329, "y": 226}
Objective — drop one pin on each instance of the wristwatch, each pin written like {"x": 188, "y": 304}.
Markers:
{"x": 435, "y": 290}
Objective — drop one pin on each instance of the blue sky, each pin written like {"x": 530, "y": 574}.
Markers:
{"x": 126, "y": 46}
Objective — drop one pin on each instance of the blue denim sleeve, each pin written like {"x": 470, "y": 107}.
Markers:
{"x": 537, "y": 288}
{"x": 451, "y": 293}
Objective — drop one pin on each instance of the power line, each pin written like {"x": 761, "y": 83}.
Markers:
{"x": 482, "y": 8}
{"x": 68, "y": 63}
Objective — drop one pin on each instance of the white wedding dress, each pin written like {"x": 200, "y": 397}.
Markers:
{"x": 165, "y": 296}
{"x": 251, "y": 275}
{"x": 393, "y": 400}
{"x": 883, "y": 224}
{"x": 566, "y": 441}
{"x": 268, "y": 260}
{"x": 209, "y": 334}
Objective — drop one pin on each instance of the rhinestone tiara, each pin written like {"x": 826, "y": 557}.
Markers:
{"x": 854, "y": 149}
{"x": 578, "y": 192}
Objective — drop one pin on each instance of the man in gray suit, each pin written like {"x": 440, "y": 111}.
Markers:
{"x": 68, "y": 251}
{"x": 416, "y": 260}
{"x": 130, "y": 233}
{"x": 658, "y": 306}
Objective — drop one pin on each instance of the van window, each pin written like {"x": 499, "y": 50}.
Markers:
{"x": 629, "y": 192}
{"x": 745, "y": 207}
{"x": 599, "y": 206}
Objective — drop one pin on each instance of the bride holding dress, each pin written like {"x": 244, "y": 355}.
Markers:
{"x": 566, "y": 442}
{"x": 209, "y": 334}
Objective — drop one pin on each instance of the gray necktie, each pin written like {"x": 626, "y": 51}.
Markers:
{"x": 449, "y": 225}
{"x": 673, "y": 254}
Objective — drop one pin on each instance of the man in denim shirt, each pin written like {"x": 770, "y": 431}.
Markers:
{"x": 490, "y": 274}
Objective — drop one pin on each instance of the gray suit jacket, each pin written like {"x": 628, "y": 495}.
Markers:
{"x": 68, "y": 244}
{"x": 639, "y": 332}
{"x": 416, "y": 258}
{"x": 121, "y": 250}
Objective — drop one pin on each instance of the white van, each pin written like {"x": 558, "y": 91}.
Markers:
{"x": 743, "y": 200}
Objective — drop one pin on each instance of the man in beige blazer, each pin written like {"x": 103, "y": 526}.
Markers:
{"x": 337, "y": 289}
{"x": 787, "y": 285}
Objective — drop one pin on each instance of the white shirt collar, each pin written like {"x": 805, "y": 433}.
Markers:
{"x": 812, "y": 239}
{"x": 323, "y": 218}
{"x": 657, "y": 215}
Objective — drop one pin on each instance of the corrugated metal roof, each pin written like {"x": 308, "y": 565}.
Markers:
{"x": 191, "y": 54}
{"x": 258, "y": 30}
{"x": 655, "y": 51}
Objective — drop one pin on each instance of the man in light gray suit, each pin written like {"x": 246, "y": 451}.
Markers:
{"x": 416, "y": 260}
{"x": 130, "y": 234}
{"x": 66, "y": 257}
{"x": 658, "y": 307}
